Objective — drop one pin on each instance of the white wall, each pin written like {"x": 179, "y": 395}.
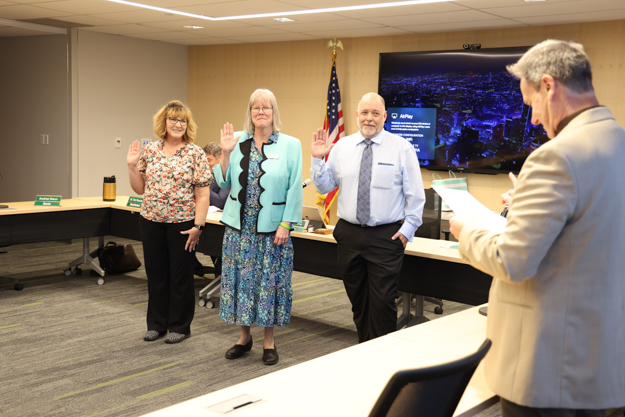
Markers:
{"x": 34, "y": 101}
{"x": 118, "y": 86}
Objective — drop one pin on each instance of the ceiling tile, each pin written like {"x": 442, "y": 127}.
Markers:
{"x": 237, "y": 8}
{"x": 485, "y": 4}
{"x": 25, "y": 12}
{"x": 88, "y": 20}
{"x": 87, "y": 6}
{"x": 555, "y": 9}
{"x": 402, "y": 10}
{"x": 274, "y": 38}
{"x": 121, "y": 29}
{"x": 458, "y": 26}
{"x": 574, "y": 18}
{"x": 205, "y": 41}
{"x": 335, "y": 25}
{"x": 357, "y": 33}
{"x": 178, "y": 24}
{"x": 141, "y": 16}
{"x": 162, "y": 36}
{"x": 452, "y": 17}
{"x": 242, "y": 31}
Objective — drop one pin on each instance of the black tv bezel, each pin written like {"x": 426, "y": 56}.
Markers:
{"x": 487, "y": 171}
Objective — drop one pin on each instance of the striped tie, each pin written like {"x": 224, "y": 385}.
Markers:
{"x": 363, "y": 208}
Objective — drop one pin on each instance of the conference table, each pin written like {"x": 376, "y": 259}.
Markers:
{"x": 429, "y": 268}
{"x": 348, "y": 382}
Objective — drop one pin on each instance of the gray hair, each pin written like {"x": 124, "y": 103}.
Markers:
{"x": 262, "y": 95}
{"x": 565, "y": 61}
{"x": 213, "y": 148}
{"x": 375, "y": 95}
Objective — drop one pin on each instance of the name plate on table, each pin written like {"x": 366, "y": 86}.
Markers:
{"x": 134, "y": 202}
{"x": 48, "y": 200}
{"x": 300, "y": 226}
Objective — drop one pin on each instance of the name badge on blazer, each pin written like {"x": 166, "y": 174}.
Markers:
{"x": 273, "y": 156}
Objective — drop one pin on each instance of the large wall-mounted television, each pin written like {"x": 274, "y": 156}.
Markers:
{"x": 461, "y": 110}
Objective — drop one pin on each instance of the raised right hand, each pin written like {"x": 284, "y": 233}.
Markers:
{"x": 319, "y": 147}
{"x": 134, "y": 152}
{"x": 228, "y": 141}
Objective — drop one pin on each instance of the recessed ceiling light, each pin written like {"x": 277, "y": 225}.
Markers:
{"x": 194, "y": 27}
{"x": 290, "y": 13}
{"x": 283, "y": 19}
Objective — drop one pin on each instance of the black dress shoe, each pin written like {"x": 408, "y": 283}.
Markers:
{"x": 237, "y": 351}
{"x": 270, "y": 356}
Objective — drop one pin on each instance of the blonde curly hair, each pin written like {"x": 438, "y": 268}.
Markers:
{"x": 175, "y": 109}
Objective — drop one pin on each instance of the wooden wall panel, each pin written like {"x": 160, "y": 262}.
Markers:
{"x": 222, "y": 77}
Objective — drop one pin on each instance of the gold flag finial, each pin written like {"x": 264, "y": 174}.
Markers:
{"x": 334, "y": 43}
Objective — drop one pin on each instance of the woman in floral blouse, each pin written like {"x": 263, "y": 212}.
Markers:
{"x": 264, "y": 168}
{"x": 172, "y": 175}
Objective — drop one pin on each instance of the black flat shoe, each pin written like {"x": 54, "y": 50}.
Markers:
{"x": 237, "y": 351}
{"x": 270, "y": 356}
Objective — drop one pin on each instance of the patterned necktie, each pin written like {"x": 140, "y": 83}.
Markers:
{"x": 363, "y": 208}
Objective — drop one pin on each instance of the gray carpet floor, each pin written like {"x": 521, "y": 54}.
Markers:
{"x": 70, "y": 347}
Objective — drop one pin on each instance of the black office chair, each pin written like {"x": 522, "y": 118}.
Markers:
{"x": 433, "y": 392}
{"x": 431, "y": 229}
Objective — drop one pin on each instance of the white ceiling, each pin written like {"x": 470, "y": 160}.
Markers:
{"x": 119, "y": 19}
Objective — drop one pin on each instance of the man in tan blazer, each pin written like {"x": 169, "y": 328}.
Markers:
{"x": 556, "y": 312}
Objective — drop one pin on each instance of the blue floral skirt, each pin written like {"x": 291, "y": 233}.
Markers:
{"x": 255, "y": 279}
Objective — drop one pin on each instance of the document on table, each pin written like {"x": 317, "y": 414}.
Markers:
{"x": 213, "y": 209}
{"x": 461, "y": 202}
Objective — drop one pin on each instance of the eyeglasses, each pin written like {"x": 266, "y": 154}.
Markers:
{"x": 264, "y": 109}
{"x": 173, "y": 121}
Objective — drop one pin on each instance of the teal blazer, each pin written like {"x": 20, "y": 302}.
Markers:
{"x": 281, "y": 195}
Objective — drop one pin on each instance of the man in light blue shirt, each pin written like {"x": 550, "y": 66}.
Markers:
{"x": 380, "y": 205}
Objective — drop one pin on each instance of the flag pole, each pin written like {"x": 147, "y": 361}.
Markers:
{"x": 333, "y": 124}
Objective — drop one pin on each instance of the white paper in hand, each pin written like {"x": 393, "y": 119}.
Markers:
{"x": 461, "y": 202}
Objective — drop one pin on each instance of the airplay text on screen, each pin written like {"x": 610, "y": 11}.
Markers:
{"x": 417, "y": 126}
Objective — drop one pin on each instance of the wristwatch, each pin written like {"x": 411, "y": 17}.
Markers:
{"x": 199, "y": 227}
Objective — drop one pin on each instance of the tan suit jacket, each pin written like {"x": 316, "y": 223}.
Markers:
{"x": 556, "y": 312}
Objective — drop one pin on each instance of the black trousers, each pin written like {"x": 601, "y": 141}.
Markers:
{"x": 510, "y": 409}
{"x": 370, "y": 264}
{"x": 169, "y": 267}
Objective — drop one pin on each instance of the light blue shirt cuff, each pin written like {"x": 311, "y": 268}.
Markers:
{"x": 407, "y": 230}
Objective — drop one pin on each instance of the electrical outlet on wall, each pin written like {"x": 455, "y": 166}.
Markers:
{"x": 118, "y": 143}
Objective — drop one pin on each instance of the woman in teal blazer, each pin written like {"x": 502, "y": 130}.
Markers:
{"x": 263, "y": 167}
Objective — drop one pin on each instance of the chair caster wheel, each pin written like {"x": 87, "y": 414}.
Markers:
{"x": 18, "y": 287}
{"x": 438, "y": 310}
{"x": 202, "y": 302}
{"x": 67, "y": 272}
{"x": 100, "y": 281}
{"x": 77, "y": 271}
{"x": 210, "y": 304}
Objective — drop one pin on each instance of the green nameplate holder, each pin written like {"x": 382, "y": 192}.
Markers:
{"x": 300, "y": 226}
{"x": 134, "y": 202}
{"x": 48, "y": 200}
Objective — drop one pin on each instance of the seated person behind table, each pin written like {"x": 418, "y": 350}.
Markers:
{"x": 218, "y": 195}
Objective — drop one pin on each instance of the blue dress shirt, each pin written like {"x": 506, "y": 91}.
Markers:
{"x": 396, "y": 184}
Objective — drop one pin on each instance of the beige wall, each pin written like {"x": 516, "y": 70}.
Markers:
{"x": 222, "y": 77}
{"x": 118, "y": 85}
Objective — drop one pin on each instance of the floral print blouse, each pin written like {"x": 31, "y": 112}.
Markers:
{"x": 170, "y": 181}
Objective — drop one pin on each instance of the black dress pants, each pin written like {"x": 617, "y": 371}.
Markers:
{"x": 169, "y": 267}
{"x": 370, "y": 264}
{"x": 510, "y": 409}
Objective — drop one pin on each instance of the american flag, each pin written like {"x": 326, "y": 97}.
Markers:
{"x": 334, "y": 126}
